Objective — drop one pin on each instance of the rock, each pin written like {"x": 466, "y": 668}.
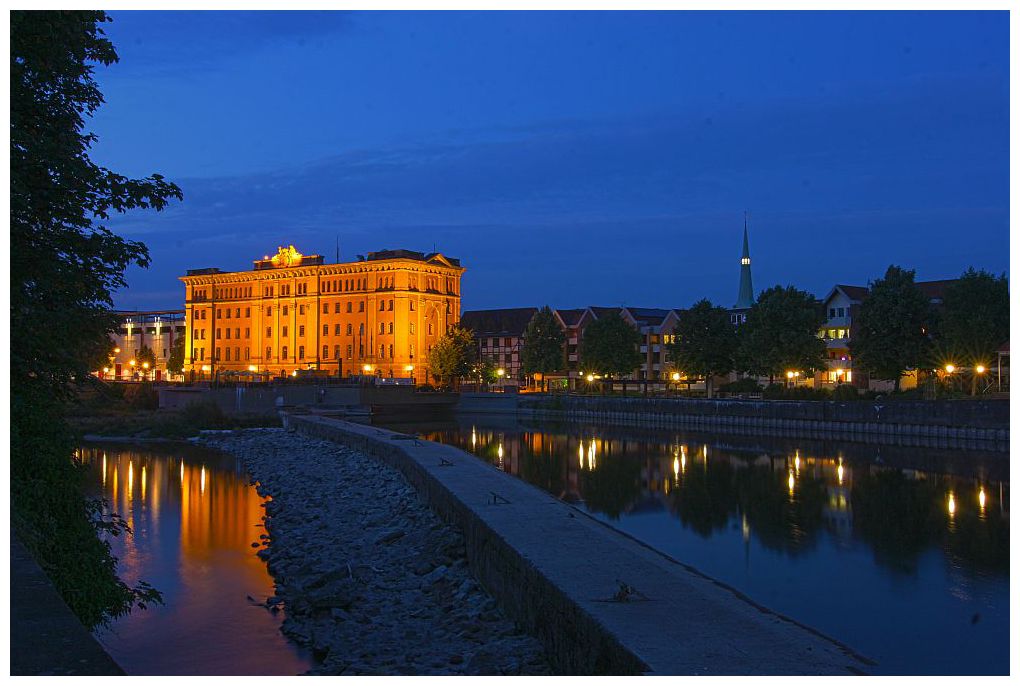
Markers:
{"x": 436, "y": 574}
{"x": 456, "y": 659}
{"x": 423, "y": 568}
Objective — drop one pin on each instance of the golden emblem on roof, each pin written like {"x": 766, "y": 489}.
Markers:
{"x": 287, "y": 257}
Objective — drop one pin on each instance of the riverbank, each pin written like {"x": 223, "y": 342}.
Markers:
{"x": 371, "y": 580}
{"x": 979, "y": 424}
{"x": 46, "y": 637}
{"x": 600, "y": 601}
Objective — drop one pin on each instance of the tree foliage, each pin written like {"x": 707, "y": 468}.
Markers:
{"x": 452, "y": 356}
{"x": 146, "y": 354}
{"x": 65, "y": 265}
{"x": 781, "y": 334}
{"x": 175, "y": 361}
{"x": 975, "y": 316}
{"x": 892, "y": 330}
{"x": 610, "y": 346}
{"x": 704, "y": 343}
{"x": 542, "y": 351}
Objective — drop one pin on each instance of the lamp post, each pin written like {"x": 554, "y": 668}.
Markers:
{"x": 145, "y": 374}
{"x": 500, "y": 373}
{"x": 675, "y": 377}
{"x": 978, "y": 371}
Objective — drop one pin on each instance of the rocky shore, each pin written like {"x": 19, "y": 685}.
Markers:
{"x": 368, "y": 577}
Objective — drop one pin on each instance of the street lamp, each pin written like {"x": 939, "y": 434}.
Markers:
{"x": 500, "y": 373}
{"x": 950, "y": 368}
{"x": 145, "y": 366}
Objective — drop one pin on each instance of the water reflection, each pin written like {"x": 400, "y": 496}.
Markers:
{"x": 194, "y": 517}
{"x": 921, "y": 555}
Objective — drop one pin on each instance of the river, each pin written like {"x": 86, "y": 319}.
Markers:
{"x": 194, "y": 517}
{"x": 902, "y": 553}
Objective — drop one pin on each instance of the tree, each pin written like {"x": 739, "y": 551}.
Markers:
{"x": 781, "y": 334}
{"x": 452, "y": 356}
{"x": 542, "y": 352}
{"x": 704, "y": 342}
{"x": 610, "y": 346}
{"x": 175, "y": 361}
{"x": 975, "y": 319}
{"x": 65, "y": 266}
{"x": 146, "y": 356}
{"x": 891, "y": 333}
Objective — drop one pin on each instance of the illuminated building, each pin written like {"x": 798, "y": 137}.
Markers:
{"x": 156, "y": 330}
{"x": 377, "y": 316}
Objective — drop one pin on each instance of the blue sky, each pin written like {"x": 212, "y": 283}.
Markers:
{"x": 568, "y": 158}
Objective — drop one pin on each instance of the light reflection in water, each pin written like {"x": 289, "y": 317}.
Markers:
{"x": 193, "y": 544}
{"x": 831, "y": 518}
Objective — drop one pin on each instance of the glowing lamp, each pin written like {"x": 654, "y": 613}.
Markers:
{"x": 500, "y": 372}
{"x": 789, "y": 375}
{"x": 367, "y": 368}
{"x": 675, "y": 376}
{"x": 145, "y": 365}
{"x": 980, "y": 369}
{"x": 950, "y": 368}
{"x": 590, "y": 378}
{"x": 252, "y": 368}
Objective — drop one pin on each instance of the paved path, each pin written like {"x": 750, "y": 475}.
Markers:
{"x": 46, "y": 637}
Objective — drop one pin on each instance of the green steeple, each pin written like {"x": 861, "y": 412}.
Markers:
{"x": 745, "y": 297}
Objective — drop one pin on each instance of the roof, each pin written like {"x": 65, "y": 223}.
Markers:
{"x": 602, "y": 311}
{"x": 398, "y": 253}
{"x": 935, "y": 290}
{"x": 506, "y": 322}
{"x": 648, "y": 316}
{"x": 857, "y": 293}
{"x": 570, "y": 317}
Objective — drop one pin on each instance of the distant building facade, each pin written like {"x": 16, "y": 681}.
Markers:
{"x": 379, "y": 315}
{"x": 499, "y": 337}
{"x": 154, "y": 329}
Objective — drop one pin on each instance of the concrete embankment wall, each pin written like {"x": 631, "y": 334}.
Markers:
{"x": 601, "y": 602}
{"x": 267, "y": 398}
{"x": 949, "y": 424}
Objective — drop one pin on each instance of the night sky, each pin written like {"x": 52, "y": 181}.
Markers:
{"x": 568, "y": 159}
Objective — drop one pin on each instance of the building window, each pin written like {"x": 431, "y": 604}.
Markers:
{"x": 336, "y": 329}
{"x": 269, "y": 311}
{"x": 361, "y": 306}
{"x": 336, "y": 307}
{"x": 247, "y": 312}
{"x": 269, "y": 353}
{"x": 247, "y": 332}
{"x": 390, "y": 327}
{"x": 336, "y": 351}
{"x": 237, "y": 312}
{"x": 217, "y": 333}
{"x": 227, "y": 351}
{"x": 237, "y": 332}
{"x": 382, "y": 327}
{"x": 285, "y": 333}
{"x": 301, "y": 352}
{"x": 382, "y": 305}
{"x": 269, "y": 332}
{"x": 228, "y": 334}
{"x": 430, "y": 328}
{"x": 325, "y": 308}
{"x": 325, "y": 329}
{"x": 411, "y": 303}
{"x": 361, "y": 329}
{"x": 325, "y": 352}
{"x": 283, "y": 352}
{"x": 284, "y": 310}
{"x": 348, "y": 306}
{"x": 391, "y": 351}
{"x": 301, "y": 331}
{"x": 349, "y": 353}
{"x": 301, "y": 309}
{"x": 382, "y": 351}
{"x": 228, "y": 313}
{"x": 412, "y": 328}
{"x": 350, "y": 329}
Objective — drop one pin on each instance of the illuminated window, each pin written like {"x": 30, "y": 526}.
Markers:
{"x": 301, "y": 330}
{"x": 325, "y": 329}
{"x": 349, "y": 353}
{"x": 283, "y": 352}
{"x": 325, "y": 352}
{"x": 336, "y": 307}
{"x": 412, "y": 305}
{"x": 269, "y": 353}
{"x": 301, "y": 352}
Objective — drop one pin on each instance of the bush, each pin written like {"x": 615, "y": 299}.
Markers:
{"x": 745, "y": 385}
{"x": 845, "y": 391}
{"x": 141, "y": 396}
{"x": 204, "y": 414}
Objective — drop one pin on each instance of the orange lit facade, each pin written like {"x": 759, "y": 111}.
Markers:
{"x": 378, "y": 316}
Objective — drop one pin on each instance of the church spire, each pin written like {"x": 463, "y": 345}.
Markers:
{"x": 745, "y": 296}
